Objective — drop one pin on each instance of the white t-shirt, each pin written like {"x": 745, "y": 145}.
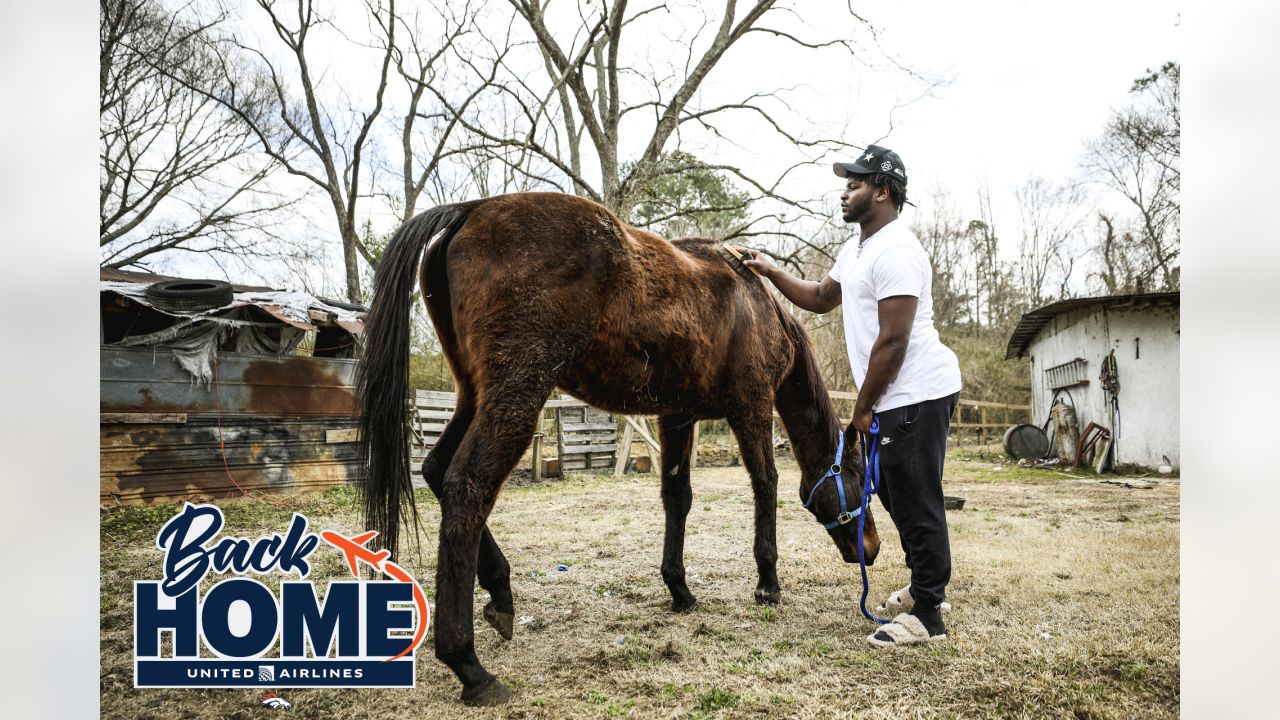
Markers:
{"x": 892, "y": 262}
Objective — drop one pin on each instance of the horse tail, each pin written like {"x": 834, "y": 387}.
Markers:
{"x": 382, "y": 376}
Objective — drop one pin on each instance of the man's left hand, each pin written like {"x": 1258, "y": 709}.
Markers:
{"x": 862, "y": 419}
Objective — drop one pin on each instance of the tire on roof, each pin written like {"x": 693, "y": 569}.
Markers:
{"x": 189, "y": 296}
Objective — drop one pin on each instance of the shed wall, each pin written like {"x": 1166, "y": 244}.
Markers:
{"x": 287, "y": 423}
{"x": 1149, "y": 376}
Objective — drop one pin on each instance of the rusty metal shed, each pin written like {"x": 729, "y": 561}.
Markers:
{"x": 268, "y": 376}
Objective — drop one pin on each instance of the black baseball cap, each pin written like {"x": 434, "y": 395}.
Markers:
{"x": 875, "y": 160}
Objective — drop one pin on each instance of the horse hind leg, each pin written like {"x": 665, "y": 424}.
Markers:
{"x": 493, "y": 571}
{"x": 755, "y": 440}
{"x": 492, "y": 445}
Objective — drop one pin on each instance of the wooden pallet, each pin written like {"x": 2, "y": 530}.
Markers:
{"x": 587, "y": 438}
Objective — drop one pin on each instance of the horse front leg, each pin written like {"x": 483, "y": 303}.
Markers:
{"x": 676, "y": 435}
{"x": 755, "y": 440}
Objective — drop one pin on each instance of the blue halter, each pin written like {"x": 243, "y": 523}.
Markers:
{"x": 845, "y": 517}
{"x": 870, "y": 485}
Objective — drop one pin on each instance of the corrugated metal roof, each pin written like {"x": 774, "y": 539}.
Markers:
{"x": 143, "y": 278}
{"x": 291, "y": 307}
{"x": 1031, "y": 323}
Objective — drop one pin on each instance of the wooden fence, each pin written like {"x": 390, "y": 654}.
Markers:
{"x": 978, "y": 420}
{"x": 587, "y": 438}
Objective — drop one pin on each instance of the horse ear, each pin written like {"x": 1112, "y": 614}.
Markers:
{"x": 852, "y": 438}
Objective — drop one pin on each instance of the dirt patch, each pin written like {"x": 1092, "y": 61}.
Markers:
{"x": 1065, "y": 594}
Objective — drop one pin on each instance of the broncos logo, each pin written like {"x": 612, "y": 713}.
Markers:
{"x": 273, "y": 700}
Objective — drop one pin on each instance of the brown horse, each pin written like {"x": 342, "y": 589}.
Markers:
{"x": 533, "y": 291}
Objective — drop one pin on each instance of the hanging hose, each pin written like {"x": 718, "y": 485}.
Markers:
{"x": 1110, "y": 378}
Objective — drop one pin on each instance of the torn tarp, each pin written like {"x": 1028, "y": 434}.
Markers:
{"x": 194, "y": 338}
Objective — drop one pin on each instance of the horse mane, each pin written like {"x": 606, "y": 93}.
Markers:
{"x": 802, "y": 401}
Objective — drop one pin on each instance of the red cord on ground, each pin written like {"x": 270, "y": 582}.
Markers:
{"x": 222, "y": 446}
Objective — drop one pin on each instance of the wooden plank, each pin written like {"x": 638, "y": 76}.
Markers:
{"x": 210, "y": 487}
{"x": 434, "y": 414}
{"x": 578, "y": 427}
{"x": 644, "y": 434}
{"x": 583, "y": 449}
{"x": 625, "y": 454}
{"x": 150, "y": 418}
{"x": 565, "y": 403}
{"x": 341, "y": 436}
{"x": 262, "y": 458}
{"x": 537, "y": 457}
{"x": 583, "y": 463}
{"x": 203, "y": 433}
{"x": 984, "y": 403}
{"x": 693, "y": 456}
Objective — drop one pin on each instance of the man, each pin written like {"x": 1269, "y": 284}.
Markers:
{"x": 905, "y": 376}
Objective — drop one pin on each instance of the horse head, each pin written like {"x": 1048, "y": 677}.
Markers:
{"x": 821, "y": 494}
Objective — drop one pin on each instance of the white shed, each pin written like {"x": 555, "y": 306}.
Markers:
{"x": 1067, "y": 343}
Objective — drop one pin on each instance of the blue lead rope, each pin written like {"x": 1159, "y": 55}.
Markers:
{"x": 870, "y": 485}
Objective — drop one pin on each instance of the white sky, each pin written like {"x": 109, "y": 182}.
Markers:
{"x": 1031, "y": 82}
{"x": 1026, "y": 84}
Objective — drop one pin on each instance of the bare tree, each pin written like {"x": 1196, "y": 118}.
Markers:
{"x": 997, "y": 301}
{"x": 310, "y": 122}
{"x": 1118, "y": 257}
{"x": 572, "y": 116}
{"x": 1049, "y": 221}
{"x": 943, "y": 235}
{"x": 432, "y": 131}
{"x": 176, "y": 171}
{"x": 1138, "y": 156}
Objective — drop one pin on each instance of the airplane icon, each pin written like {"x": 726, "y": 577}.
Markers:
{"x": 353, "y": 548}
{"x": 355, "y": 551}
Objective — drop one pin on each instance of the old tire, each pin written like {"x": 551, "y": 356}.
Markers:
{"x": 1026, "y": 442}
{"x": 190, "y": 296}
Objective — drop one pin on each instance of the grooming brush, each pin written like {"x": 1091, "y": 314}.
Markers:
{"x": 735, "y": 259}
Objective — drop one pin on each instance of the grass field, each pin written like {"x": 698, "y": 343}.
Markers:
{"x": 1065, "y": 593}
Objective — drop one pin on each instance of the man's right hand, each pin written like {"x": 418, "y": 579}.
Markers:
{"x": 818, "y": 297}
{"x": 757, "y": 261}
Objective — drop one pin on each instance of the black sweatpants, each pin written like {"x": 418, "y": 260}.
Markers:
{"x": 913, "y": 445}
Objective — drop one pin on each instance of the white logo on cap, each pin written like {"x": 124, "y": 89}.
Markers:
{"x": 868, "y": 157}
{"x": 886, "y": 166}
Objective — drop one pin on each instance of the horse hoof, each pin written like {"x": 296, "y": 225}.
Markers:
{"x": 768, "y": 597}
{"x": 681, "y": 606}
{"x": 486, "y": 694}
{"x": 503, "y": 622}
